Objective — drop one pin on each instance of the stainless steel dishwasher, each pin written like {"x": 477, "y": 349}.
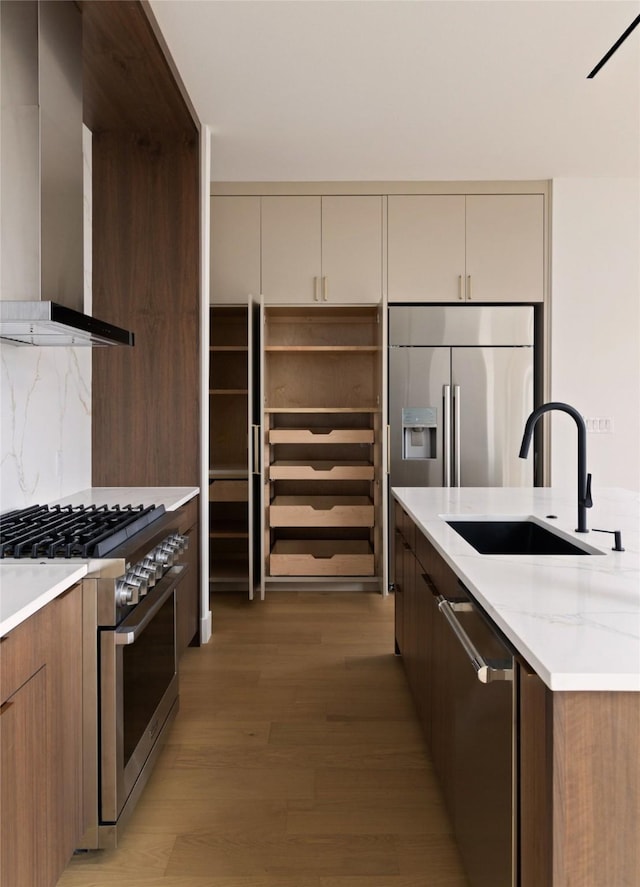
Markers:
{"x": 483, "y": 711}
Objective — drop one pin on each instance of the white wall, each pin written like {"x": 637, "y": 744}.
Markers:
{"x": 595, "y": 326}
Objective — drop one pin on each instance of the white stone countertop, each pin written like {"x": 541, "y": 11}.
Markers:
{"x": 574, "y": 618}
{"x": 26, "y": 588}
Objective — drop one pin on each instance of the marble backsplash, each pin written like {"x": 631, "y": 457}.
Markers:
{"x": 45, "y": 436}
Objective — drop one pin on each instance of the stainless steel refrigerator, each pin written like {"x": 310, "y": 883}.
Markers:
{"x": 460, "y": 390}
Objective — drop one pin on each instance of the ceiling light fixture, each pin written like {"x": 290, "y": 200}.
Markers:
{"x": 605, "y": 58}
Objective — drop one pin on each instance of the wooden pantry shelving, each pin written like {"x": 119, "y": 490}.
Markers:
{"x": 229, "y": 420}
{"x": 322, "y": 426}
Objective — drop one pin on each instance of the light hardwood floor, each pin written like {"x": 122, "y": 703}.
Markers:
{"x": 296, "y": 761}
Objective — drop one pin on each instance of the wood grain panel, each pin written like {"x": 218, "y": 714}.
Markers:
{"x": 64, "y": 724}
{"x": 146, "y": 278}
{"x": 596, "y": 789}
{"x": 23, "y": 790}
{"x": 128, "y": 82}
{"x": 535, "y": 779}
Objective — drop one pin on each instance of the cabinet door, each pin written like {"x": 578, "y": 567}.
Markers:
{"x": 291, "y": 251}
{"x": 24, "y": 790}
{"x": 351, "y": 249}
{"x": 235, "y": 249}
{"x": 426, "y": 248}
{"x": 505, "y": 248}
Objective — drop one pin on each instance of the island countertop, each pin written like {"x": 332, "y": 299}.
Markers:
{"x": 574, "y": 618}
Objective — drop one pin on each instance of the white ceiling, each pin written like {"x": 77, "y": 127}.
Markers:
{"x": 321, "y": 90}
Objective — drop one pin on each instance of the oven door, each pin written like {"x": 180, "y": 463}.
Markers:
{"x": 138, "y": 691}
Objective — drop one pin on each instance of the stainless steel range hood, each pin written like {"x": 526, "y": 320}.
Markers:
{"x": 41, "y": 179}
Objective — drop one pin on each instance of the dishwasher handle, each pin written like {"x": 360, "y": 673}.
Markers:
{"x": 485, "y": 672}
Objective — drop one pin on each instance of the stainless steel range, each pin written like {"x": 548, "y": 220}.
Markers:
{"x": 130, "y": 683}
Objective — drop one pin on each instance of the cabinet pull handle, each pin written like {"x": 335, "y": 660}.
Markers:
{"x": 256, "y": 449}
{"x": 325, "y": 289}
{"x": 469, "y": 287}
{"x": 460, "y": 292}
{"x": 388, "y": 449}
{"x": 316, "y": 297}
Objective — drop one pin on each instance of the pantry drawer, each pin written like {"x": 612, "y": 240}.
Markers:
{"x": 326, "y": 557}
{"x": 321, "y": 435}
{"x": 321, "y": 511}
{"x": 320, "y": 471}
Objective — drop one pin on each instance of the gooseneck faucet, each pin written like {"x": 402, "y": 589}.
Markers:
{"x": 584, "y": 479}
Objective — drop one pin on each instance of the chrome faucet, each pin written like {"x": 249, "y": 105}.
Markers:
{"x": 584, "y": 479}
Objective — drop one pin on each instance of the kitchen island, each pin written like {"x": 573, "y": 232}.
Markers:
{"x": 572, "y": 623}
{"x": 575, "y": 619}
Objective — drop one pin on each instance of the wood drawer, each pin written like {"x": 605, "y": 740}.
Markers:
{"x": 321, "y": 511}
{"x": 22, "y": 652}
{"x": 321, "y": 435}
{"x": 320, "y": 471}
{"x": 326, "y": 557}
{"x": 229, "y": 491}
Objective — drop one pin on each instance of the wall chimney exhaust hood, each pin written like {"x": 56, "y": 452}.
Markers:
{"x": 41, "y": 179}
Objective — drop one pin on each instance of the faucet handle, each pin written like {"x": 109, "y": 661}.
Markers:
{"x": 588, "y": 501}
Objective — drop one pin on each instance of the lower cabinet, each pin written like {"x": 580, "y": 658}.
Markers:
{"x": 40, "y": 743}
{"x": 576, "y": 766}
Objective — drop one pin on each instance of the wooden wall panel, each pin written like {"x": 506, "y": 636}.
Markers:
{"x": 146, "y": 278}
{"x": 129, "y": 83}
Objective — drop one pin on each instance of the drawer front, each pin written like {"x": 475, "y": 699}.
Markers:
{"x": 280, "y": 471}
{"x": 321, "y": 558}
{"x": 23, "y": 652}
{"x": 321, "y": 436}
{"x": 324, "y": 512}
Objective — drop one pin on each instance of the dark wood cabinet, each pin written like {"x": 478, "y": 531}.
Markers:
{"x": 41, "y": 746}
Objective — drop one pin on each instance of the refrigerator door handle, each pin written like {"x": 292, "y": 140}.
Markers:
{"x": 446, "y": 436}
{"x": 456, "y": 435}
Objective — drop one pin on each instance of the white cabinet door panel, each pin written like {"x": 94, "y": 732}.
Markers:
{"x": 352, "y": 249}
{"x": 235, "y": 249}
{"x": 426, "y": 248}
{"x": 291, "y": 256}
{"x": 505, "y": 248}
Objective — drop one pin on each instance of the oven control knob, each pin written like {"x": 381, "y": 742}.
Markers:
{"x": 139, "y": 582}
{"x": 163, "y": 556}
{"x": 153, "y": 566}
{"x": 146, "y": 573}
{"x": 126, "y": 593}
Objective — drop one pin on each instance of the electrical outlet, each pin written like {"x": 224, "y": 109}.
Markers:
{"x": 599, "y": 425}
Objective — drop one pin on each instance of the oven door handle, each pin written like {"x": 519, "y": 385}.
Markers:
{"x": 129, "y": 630}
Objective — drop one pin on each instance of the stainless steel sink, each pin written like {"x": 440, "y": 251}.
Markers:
{"x": 519, "y": 536}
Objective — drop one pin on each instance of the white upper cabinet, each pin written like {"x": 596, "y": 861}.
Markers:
{"x": 291, "y": 249}
{"x": 505, "y": 247}
{"x": 473, "y": 248}
{"x": 352, "y": 249}
{"x": 426, "y": 248}
{"x": 235, "y": 249}
{"x": 322, "y": 249}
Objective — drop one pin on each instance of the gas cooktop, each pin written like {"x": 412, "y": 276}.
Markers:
{"x": 66, "y": 531}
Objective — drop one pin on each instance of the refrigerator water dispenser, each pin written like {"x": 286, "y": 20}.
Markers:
{"x": 419, "y": 426}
